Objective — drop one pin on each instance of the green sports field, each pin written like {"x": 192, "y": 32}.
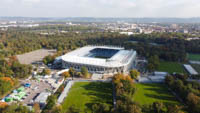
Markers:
{"x": 83, "y": 95}
{"x": 171, "y": 67}
{"x": 153, "y": 92}
{"x": 195, "y": 57}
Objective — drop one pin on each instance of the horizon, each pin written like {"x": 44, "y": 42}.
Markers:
{"x": 103, "y": 17}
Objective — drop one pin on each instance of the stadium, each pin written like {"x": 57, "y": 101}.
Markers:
{"x": 100, "y": 59}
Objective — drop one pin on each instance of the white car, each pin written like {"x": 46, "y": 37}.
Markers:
{"x": 35, "y": 88}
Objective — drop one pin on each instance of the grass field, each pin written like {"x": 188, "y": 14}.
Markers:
{"x": 148, "y": 93}
{"x": 195, "y": 57}
{"x": 83, "y": 95}
{"x": 171, "y": 67}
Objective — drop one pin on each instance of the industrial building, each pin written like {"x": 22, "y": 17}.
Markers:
{"x": 100, "y": 59}
{"x": 42, "y": 97}
{"x": 190, "y": 69}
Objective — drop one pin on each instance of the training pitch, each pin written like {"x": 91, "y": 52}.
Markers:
{"x": 83, "y": 95}
{"x": 146, "y": 94}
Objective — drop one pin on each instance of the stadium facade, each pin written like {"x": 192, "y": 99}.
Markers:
{"x": 100, "y": 59}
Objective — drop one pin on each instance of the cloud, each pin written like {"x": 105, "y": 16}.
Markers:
{"x": 100, "y": 8}
{"x": 32, "y": 1}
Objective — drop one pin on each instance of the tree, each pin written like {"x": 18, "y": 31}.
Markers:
{"x": 134, "y": 74}
{"x": 66, "y": 74}
{"x": 126, "y": 105}
{"x": 57, "y": 109}
{"x": 158, "y": 107}
{"x": 48, "y": 59}
{"x": 100, "y": 108}
{"x": 193, "y": 102}
{"x": 169, "y": 80}
{"x": 72, "y": 72}
{"x": 5, "y": 86}
{"x": 46, "y": 72}
{"x": 73, "y": 109}
{"x": 123, "y": 84}
{"x": 153, "y": 63}
{"x": 51, "y": 102}
{"x": 175, "y": 109}
{"x": 84, "y": 72}
{"x": 36, "y": 108}
{"x": 16, "y": 108}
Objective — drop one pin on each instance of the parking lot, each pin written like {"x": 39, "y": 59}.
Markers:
{"x": 34, "y": 56}
{"x": 35, "y": 88}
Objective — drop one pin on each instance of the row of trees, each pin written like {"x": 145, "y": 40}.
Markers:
{"x": 73, "y": 73}
{"x": 164, "y": 45}
{"x": 167, "y": 46}
{"x": 189, "y": 92}
{"x": 125, "y": 89}
{"x": 15, "y": 108}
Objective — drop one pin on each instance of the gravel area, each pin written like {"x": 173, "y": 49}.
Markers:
{"x": 34, "y": 56}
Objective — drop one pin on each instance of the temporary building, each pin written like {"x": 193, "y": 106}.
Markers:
{"x": 8, "y": 99}
{"x": 20, "y": 89}
{"x": 21, "y": 95}
{"x": 27, "y": 85}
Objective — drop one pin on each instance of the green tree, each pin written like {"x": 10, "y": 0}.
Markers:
{"x": 51, "y": 102}
{"x": 72, "y": 72}
{"x": 153, "y": 63}
{"x": 84, "y": 72}
{"x": 158, "y": 107}
{"x": 57, "y": 109}
{"x": 73, "y": 109}
{"x": 100, "y": 108}
{"x": 16, "y": 108}
{"x": 134, "y": 74}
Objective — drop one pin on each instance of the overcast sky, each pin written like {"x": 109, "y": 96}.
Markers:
{"x": 100, "y": 8}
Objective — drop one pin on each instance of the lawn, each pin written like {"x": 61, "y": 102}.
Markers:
{"x": 195, "y": 57}
{"x": 171, "y": 67}
{"x": 153, "y": 92}
{"x": 83, "y": 95}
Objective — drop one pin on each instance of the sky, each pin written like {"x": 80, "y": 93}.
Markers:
{"x": 100, "y": 8}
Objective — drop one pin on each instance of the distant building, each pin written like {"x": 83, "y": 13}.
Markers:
{"x": 157, "y": 73}
{"x": 183, "y": 31}
{"x": 127, "y": 33}
{"x": 190, "y": 69}
{"x": 195, "y": 38}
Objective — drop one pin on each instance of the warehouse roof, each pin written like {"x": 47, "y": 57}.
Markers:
{"x": 42, "y": 97}
{"x": 190, "y": 69}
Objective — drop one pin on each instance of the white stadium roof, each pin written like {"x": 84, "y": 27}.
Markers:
{"x": 121, "y": 58}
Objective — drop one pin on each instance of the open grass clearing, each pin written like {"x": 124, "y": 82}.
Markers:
{"x": 171, "y": 67}
{"x": 146, "y": 94}
{"x": 195, "y": 57}
{"x": 83, "y": 95}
